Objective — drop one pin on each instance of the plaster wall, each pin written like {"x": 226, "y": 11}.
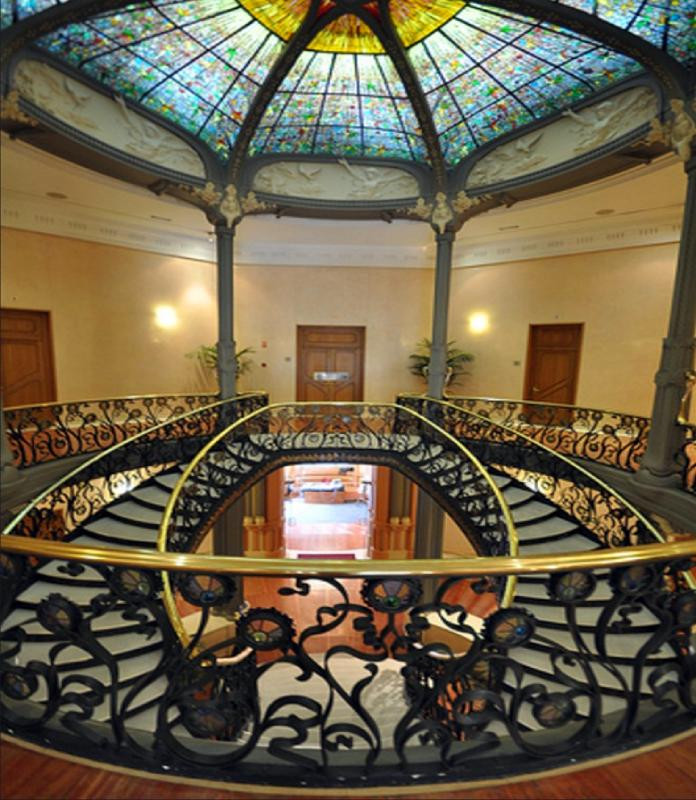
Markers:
{"x": 101, "y": 299}
{"x": 621, "y": 296}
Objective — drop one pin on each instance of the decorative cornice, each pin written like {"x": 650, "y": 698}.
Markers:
{"x": 28, "y": 212}
{"x": 678, "y": 132}
{"x": 10, "y": 110}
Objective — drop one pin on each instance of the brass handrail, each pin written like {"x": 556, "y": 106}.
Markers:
{"x": 368, "y": 568}
{"x": 483, "y": 472}
{"x": 111, "y": 399}
{"x": 168, "y": 595}
{"x": 555, "y": 454}
{"x": 103, "y": 453}
{"x": 534, "y": 403}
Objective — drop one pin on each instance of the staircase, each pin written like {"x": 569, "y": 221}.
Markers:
{"x": 135, "y": 649}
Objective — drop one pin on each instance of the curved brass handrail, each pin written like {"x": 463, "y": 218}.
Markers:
{"x": 368, "y": 568}
{"x": 605, "y": 486}
{"x": 104, "y": 453}
{"x": 168, "y": 595}
{"x": 203, "y": 452}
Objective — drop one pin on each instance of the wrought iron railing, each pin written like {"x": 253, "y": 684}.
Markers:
{"x": 613, "y": 438}
{"x": 50, "y": 431}
{"x": 599, "y": 508}
{"x": 688, "y": 457}
{"x": 80, "y": 494}
{"x": 367, "y": 433}
{"x": 345, "y": 676}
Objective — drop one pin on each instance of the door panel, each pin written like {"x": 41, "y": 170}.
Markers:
{"x": 336, "y": 351}
{"x": 553, "y": 361}
{"x": 26, "y": 351}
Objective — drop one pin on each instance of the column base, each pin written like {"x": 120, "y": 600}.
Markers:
{"x": 671, "y": 480}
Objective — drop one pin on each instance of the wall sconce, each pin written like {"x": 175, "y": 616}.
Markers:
{"x": 166, "y": 317}
{"x": 479, "y": 322}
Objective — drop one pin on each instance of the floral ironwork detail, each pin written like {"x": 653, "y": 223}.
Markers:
{"x": 572, "y": 587}
{"x": 509, "y": 627}
{"x": 391, "y": 595}
{"x": 265, "y": 629}
{"x": 58, "y": 615}
{"x": 205, "y": 590}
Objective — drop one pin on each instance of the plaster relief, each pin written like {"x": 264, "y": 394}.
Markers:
{"x": 341, "y": 180}
{"x": 578, "y": 132}
{"x": 109, "y": 121}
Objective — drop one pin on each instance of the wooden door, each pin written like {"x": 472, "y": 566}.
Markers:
{"x": 330, "y": 363}
{"x": 553, "y": 361}
{"x": 26, "y": 350}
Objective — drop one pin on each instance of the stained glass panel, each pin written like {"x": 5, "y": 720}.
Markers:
{"x": 668, "y": 24}
{"x": 489, "y": 72}
{"x": 341, "y": 104}
{"x": 198, "y": 63}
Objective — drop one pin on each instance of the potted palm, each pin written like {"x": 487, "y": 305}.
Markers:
{"x": 456, "y": 359}
{"x": 206, "y": 355}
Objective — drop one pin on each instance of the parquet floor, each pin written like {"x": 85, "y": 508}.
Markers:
{"x": 666, "y": 774}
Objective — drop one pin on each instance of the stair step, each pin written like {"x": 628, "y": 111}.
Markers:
{"x": 130, "y": 510}
{"x": 119, "y": 529}
{"x": 153, "y": 495}
{"x": 569, "y": 544}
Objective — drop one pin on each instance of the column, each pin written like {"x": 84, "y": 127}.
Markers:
{"x": 227, "y": 373}
{"x": 437, "y": 370}
{"x": 666, "y": 437}
{"x": 430, "y": 522}
{"x": 228, "y": 540}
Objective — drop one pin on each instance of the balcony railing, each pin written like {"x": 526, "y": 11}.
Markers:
{"x": 345, "y": 676}
{"x": 49, "y": 431}
{"x": 612, "y": 438}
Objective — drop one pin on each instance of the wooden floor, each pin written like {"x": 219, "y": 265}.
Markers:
{"x": 666, "y": 774}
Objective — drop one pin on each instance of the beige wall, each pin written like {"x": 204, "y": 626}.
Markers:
{"x": 101, "y": 300}
{"x": 106, "y": 343}
{"x": 621, "y": 296}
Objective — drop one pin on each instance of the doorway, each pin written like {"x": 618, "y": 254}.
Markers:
{"x": 328, "y": 510}
{"x": 26, "y": 350}
{"x": 553, "y": 362}
{"x": 330, "y": 363}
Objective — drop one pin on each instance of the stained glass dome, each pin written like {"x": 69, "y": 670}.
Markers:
{"x": 394, "y": 80}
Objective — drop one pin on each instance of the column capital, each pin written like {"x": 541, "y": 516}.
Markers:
{"x": 223, "y": 230}
{"x": 445, "y": 237}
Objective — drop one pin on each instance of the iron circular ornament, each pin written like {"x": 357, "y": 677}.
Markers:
{"x": 134, "y": 582}
{"x": 391, "y": 595}
{"x": 11, "y": 567}
{"x": 571, "y": 587}
{"x": 206, "y": 590}
{"x": 554, "y": 710}
{"x": 684, "y": 610}
{"x": 58, "y": 614}
{"x": 632, "y": 580}
{"x": 19, "y": 684}
{"x": 265, "y": 629}
{"x": 509, "y": 627}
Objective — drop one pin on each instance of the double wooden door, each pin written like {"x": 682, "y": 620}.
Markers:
{"x": 330, "y": 363}
{"x": 26, "y": 351}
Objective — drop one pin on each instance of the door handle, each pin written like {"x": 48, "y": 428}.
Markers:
{"x": 331, "y": 376}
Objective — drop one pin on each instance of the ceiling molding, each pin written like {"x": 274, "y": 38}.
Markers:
{"x": 640, "y": 229}
{"x": 27, "y": 212}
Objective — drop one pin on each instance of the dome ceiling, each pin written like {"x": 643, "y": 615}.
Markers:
{"x": 483, "y": 72}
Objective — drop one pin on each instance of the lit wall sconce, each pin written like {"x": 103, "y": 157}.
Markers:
{"x": 166, "y": 317}
{"x": 479, "y": 322}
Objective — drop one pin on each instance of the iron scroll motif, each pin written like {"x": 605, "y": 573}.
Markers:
{"x": 60, "y": 512}
{"x": 353, "y": 432}
{"x": 38, "y": 434}
{"x": 370, "y": 684}
{"x": 603, "y": 514}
